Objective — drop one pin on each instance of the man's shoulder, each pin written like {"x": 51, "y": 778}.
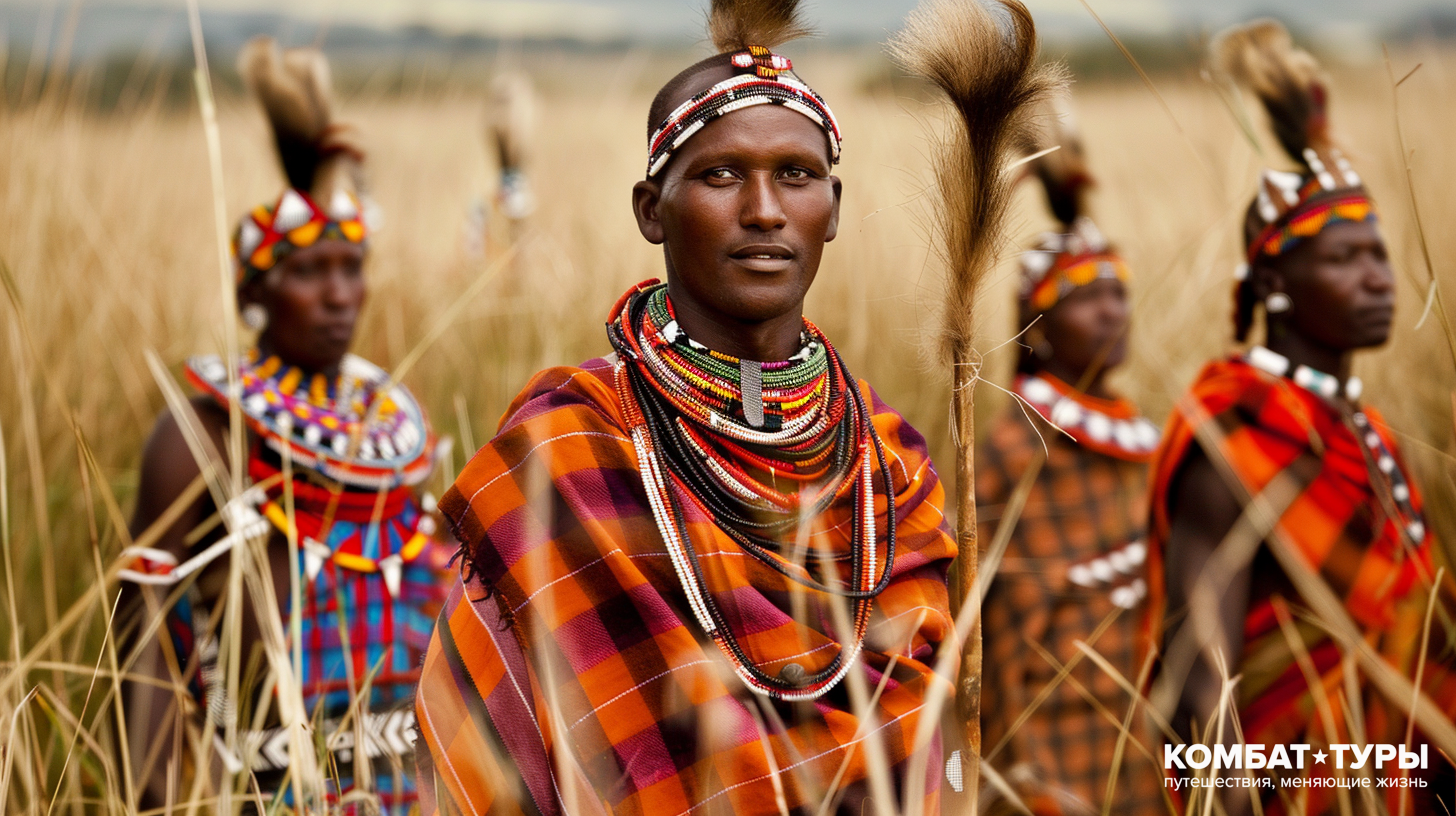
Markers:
{"x": 886, "y": 415}
{"x": 586, "y": 391}
{"x": 567, "y": 419}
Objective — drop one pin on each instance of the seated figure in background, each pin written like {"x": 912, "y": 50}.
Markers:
{"x": 1074, "y": 565}
{"x": 685, "y": 562}
{"x": 334, "y": 456}
{"x": 1285, "y": 524}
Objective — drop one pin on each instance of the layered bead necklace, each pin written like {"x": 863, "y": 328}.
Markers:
{"x": 1377, "y": 452}
{"x": 726, "y": 431}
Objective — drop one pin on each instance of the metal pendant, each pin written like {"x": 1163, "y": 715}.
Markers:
{"x": 750, "y": 386}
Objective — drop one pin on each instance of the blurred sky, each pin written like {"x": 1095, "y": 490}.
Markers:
{"x": 681, "y": 21}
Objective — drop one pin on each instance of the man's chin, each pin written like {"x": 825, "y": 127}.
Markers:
{"x": 1368, "y": 335}
{"x": 756, "y": 297}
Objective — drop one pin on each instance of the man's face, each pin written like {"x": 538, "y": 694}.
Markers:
{"x": 1341, "y": 287}
{"x": 1089, "y": 327}
{"x": 313, "y": 298}
{"x": 743, "y": 211}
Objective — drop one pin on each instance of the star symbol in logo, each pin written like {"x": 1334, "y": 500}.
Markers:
{"x": 1319, "y": 757}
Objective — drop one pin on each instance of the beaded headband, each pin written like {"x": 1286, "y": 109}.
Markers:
{"x": 764, "y": 78}
{"x": 267, "y": 235}
{"x": 1061, "y": 263}
{"x": 1294, "y": 207}
{"x": 1306, "y": 221}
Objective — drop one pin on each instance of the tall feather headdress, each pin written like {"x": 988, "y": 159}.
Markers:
{"x": 512, "y": 117}
{"x": 744, "y": 32}
{"x": 1288, "y": 207}
{"x": 321, "y": 159}
{"x": 1290, "y": 85}
{"x": 1062, "y": 166}
{"x": 295, "y": 89}
{"x": 734, "y": 25}
{"x": 1077, "y": 254}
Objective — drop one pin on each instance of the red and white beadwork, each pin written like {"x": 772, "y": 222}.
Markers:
{"x": 1118, "y": 572}
{"x": 267, "y": 234}
{"x": 763, "y": 61}
{"x": 1107, "y": 426}
{"x": 766, "y": 81}
{"x": 1379, "y": 452}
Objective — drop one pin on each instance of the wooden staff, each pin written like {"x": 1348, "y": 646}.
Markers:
{"x": 982, "y": 56}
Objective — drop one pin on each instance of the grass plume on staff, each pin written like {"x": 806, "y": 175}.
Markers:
{"x": 983, "y": 58}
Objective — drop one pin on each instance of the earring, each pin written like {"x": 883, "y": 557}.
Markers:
{"x": 1278, "y": 303}
{"x": 255, "y": 316}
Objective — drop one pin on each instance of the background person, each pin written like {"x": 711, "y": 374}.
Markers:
{"x": 1285, "y": 421}
{"x": 1074, "y": 565}
{"x": 358, "y": 447}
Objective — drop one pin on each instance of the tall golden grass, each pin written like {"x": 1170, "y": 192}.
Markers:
{"x": 109, "y": 253}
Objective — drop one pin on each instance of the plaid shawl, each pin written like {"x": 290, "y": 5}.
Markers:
{"x": 1340, "y": 522}
{"x": 1074, "y": 557}
{"x": 566, "y": 673}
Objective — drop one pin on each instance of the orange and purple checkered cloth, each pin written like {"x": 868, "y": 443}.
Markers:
{"x": 1073, "y": 558}
{"x": 567, "y": 675}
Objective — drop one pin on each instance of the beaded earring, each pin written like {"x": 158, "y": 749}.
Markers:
{"x": 1278, "y": 303}
{"x": 255, "y": 317}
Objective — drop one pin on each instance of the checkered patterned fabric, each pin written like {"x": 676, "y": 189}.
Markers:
{"x": 1341, "y": 525}
{"x": 1084, "y": 509}
{"x": 350, "y": 625}
{"x": 567, "y": 673}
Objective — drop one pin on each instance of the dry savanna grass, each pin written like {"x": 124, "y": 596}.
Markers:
{"x": 110, "y": 254}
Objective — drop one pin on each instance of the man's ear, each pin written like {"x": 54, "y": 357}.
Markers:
{"x": 833, "y": 231}
{"x": 1266, "y": 280}
{"x": 248, "y": 293}
{"x": 646, "y": 195}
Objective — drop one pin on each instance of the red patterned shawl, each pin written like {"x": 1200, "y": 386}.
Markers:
{"x": 1340, "y": 525}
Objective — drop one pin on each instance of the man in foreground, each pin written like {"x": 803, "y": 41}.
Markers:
{"x": 707, "y": 571}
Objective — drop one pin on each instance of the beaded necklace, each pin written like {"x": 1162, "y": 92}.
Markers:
{"x": 1377, "y": 452}
{"x": 326, "y": 424}
{"x": 715, "y": 426}
{"x": 1111, "y": 427}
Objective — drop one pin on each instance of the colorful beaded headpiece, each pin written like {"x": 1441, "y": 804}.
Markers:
{"x": 1290, "y": 207}
{"x": 1294, "y": 207}
{"x": 1077, "y": 254}
{"x": 267, "y": 235}
{"x": 764, "y": 78}
{"x": 1062, "y": 262}
{"x": 320, "y": 158}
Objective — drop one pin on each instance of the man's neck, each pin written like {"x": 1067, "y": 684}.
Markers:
{"x": 1300, "y": 351}
{"x": 1096, "y": 387}
{"x": 764, "y": 341}
{"x": 266, "y": 349}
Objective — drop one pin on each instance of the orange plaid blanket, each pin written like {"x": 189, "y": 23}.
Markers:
{"x": 1346, "y": 526}
{"x": 567, "y": 674}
